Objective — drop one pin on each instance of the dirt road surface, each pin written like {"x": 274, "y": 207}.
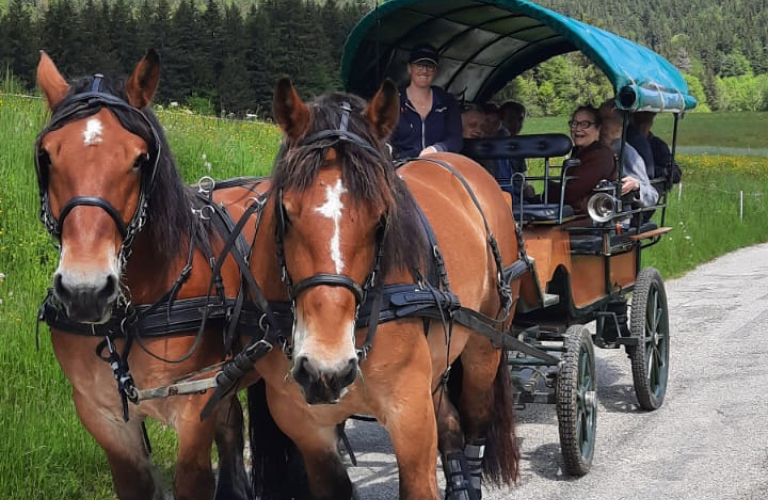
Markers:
{"x": 708, "y": 441}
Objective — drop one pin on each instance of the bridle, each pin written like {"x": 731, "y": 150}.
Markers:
{"x": 330, "y": 138}
{"x": 79, "y": 106}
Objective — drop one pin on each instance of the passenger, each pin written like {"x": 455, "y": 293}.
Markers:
{"x": 635, "y": 172}
{"x": 472, "y": 121}
{"x": 492, "y": 126}
{"x": 430, "y": 118}
{"x": 639, "y": 140}
{"x": 597, "y": 161}
{"x": 512, "y": 116}
{"x": 474, "y": 126}
{"x": 664, "y": 165}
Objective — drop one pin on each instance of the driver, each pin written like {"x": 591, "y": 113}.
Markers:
{"x": 430, "y": 118}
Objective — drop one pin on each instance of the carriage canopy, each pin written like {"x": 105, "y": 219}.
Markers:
{"x": 483, "y": 44}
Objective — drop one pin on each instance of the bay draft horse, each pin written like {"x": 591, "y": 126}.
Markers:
{"x": 339, "y": 211}
{"x": 112, "y": 196}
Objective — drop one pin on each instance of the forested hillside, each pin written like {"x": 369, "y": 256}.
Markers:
{"x": 223, "y": 56}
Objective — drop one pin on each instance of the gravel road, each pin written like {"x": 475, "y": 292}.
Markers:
{"x": 708, "y": 441}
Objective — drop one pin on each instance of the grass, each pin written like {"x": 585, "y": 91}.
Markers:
{"x": 738, "y": 131}
{"x": 46, "y": 454}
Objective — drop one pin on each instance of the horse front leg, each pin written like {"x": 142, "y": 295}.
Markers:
{"x": 413, "y": 431}
{"x": 401, "y": 396}
{"x": 232, "y": 481}
{"x": 133, "y": 475}
{"x": 194, "y": 479}
{"x": 326, "y": 474}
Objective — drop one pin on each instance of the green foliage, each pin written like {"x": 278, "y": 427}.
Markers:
{"x": 743, "y": 93}
{"x": 201, "y": 105}
{"x": 696, "y": 89}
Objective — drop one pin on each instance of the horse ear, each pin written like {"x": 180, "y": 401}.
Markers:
{"x": 383, "y": 112}
{"x": 50, "y": 81}
{"x": 143, "y": 82}
{"x": 291, "y": 114}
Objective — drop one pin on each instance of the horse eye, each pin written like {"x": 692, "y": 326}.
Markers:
{"x": 141, "y": 160}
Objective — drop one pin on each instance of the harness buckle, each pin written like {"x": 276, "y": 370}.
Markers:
{"x": 206, "y": 185}
{"x": 362, "y": 353}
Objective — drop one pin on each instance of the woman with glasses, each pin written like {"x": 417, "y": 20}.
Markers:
{"x": 430, "y": 118}
{"x": 597, "y": 160}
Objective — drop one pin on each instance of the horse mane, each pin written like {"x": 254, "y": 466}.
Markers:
{"x": 169, "y": 214}
{"x": 369, "y": 176}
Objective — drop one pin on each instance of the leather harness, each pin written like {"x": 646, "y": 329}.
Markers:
{"x": 267, "y": 323}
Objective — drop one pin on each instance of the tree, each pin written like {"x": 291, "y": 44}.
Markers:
{"x": 18, "y": 43}
{"x": 93, "y": 57}
{"x": 260, "y": 65}
{"x": 235, "y": 94}
{"x": 179, "y": 59}
{"x": 210, "y": 53}
{"x": 121, "y": 32}
{"x": 58, "y": 28}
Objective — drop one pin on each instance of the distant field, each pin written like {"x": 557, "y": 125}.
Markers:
{"x": 738, "y": 132}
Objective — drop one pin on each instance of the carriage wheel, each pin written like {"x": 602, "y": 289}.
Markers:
{"x": 650, "y": 326}
{"x": 577, "y": 401}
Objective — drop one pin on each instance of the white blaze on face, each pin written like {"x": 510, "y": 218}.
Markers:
{"x": 92, "y": 132}
{"x": 332, "y": 209}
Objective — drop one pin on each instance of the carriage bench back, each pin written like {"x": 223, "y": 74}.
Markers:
{"x": 519, "y": 146}
{"x": 524, "y": 146}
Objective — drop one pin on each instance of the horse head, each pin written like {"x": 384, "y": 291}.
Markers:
{"x": 95, "y": 163}
{"x": 334, "y": 199}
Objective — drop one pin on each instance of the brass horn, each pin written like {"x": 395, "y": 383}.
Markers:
{"x": 602, "y": 207}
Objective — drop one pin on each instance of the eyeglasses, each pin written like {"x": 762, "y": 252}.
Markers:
{"x": 425, "y": 66}
{"x": 580, "y": 125}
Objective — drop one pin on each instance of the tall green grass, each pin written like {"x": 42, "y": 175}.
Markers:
{"x": 44, "y": 452}
{"x": 739, "y": 131}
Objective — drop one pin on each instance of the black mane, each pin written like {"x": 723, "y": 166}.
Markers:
{"x": 169, "y": 215}
{"x": 368, "y": 175}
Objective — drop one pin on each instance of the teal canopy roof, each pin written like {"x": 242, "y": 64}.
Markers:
{"x": 483, "y": 44}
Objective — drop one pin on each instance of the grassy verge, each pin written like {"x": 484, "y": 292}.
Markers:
{"x": 46, "y": 455}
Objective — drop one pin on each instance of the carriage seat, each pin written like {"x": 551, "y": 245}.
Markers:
{"x": 592, "y": 243}
{"x": 524, "y": 146}
{"x": 518, "y": 146}
{"x": 542, "y": 212}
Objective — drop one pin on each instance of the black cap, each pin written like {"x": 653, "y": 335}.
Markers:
{"x": 424, "y": 53}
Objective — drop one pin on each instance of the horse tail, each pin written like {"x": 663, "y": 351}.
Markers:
{"x": 277, "y": 465}
{"x": 502, "y": 453}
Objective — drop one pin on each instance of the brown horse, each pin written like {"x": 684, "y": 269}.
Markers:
{"x": 347, "y": 221}
{"x": 128, "y": 237}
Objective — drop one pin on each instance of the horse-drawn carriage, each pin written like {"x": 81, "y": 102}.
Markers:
{"x": 375, "y": 290}
{"x": 581, "y": 268}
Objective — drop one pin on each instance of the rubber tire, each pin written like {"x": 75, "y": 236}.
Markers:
{"x": 577, "y": 401}
{"x": 649, "y": 324}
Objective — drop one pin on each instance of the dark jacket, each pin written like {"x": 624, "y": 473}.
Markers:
{"x": 597, "y": 163}
{"x": 640, "y": 142}
{"x": 441, "y": 128}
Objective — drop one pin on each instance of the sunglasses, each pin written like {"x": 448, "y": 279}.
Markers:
{"x": 580, "y": 125}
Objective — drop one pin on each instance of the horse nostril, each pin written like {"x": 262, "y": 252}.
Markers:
{"x": 59, "y": 289}
{"x": 347, "y": 375}
{"x": 305, "y": 373}
{"x": 109, "y": 289}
